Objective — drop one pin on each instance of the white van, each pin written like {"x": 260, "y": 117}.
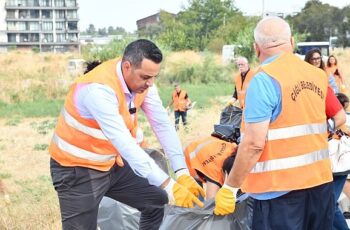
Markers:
{"x": 228, "y": 54}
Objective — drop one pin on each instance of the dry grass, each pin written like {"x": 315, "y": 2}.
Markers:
{"x": 24, "y": 73}
{"x": 29, "y": 200}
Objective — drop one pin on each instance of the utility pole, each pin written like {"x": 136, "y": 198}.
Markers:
{"x": 263, "y": 8}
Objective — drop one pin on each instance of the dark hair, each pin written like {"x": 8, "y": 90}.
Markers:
{"x": 309, "y": 55}
{"x": 90, "y": 65}
{"x": 141, "y": 49}
{"x": 228, "y": 162}
{"x": 328, "y": 63}
{"x": 342, "y": 98}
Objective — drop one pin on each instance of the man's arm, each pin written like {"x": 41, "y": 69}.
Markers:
{"x": 100, "y": 103}
{"x": 249, "y": 152}
{"x": 163, "y": 129}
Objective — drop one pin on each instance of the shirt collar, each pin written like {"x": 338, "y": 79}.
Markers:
{"x": 122, "y": 81}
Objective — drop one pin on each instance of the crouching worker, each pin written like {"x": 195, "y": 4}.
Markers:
{"x": 95, "y": 149}
{"x": 205, "y": 158}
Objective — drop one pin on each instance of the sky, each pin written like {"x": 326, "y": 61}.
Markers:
{"x": 125, "y": 13}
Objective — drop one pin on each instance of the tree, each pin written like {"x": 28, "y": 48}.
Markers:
{"x": 102, "y": 31}
{"x": 197, "y": 24}
{"x": 91, "y": 30}
{"x": 317, "y": 20}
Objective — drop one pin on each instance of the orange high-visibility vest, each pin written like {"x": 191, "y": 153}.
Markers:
{"x": 242, "y": 87}
{"x": 207, "y": 156}
{"x": 80, "y": 142}
{"x": 295, "y": 155}
{"x": 180, "y": 102}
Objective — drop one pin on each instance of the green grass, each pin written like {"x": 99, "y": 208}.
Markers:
{"x": 203, "y": 94}
{"x": 38, "y": 108}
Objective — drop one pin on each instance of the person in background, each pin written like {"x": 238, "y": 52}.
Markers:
{"x": 241, "y": 80}
{"x": 314, "y": 57}
{"x": 95, "y": 149}
{"x": 181, "y": 102}
{"x": 333, "y": 68}
{"x": 282, "y": 160}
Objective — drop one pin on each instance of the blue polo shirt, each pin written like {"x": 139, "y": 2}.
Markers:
{"x": 263, "y": 102}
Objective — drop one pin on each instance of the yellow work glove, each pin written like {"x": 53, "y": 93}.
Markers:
{"x": 180, "y": 196}
{"x": 184, "y": 178}
{"x": 225, "y": 200}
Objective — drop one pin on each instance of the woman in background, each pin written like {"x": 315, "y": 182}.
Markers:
{"x": 314, "y": 57}
{"x": 333, "y": 68}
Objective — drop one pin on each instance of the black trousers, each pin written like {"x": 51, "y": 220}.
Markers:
{"x": 182, "y": 115}
{"x": 80, "y": 191}
{"x": 305, "y": 209}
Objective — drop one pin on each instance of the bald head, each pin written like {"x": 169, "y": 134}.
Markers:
{"x": 272, "y": 32}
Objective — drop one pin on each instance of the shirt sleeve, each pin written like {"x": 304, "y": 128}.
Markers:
{"x": 333, "y": 105}
{"x": 263, "y": 99}
{"x": 163, "y": 128}
{"x": 100, "y": 101}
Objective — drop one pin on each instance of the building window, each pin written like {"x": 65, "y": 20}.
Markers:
{"x": 47, "y": 38}
{"x": 34, "y": 13}
{"x": 46, "y": 14}
{"x": 46, "y": 26}
{"x": 60, "y": 37}
{"x": 11, "y": 2}
{"x": 59, "y": 14}
{"x": 45, "y": 2}
{"x": 11, "y": 14}
{"x": 70, "y": 3}
{"x": 21, "y": 26}
{"x": 72, "y": 26}
{"x": 23, "y": 14}
{"x": 73, "y": 37}
{"x": 33, "y": 26}
{"x": 71, "y": 14}
{"x": 59, "y": 3}
{"x": 60, "y": 25}
{"x": 11, "y": 37}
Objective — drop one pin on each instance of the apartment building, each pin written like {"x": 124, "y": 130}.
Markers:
{"x": 48, "y": 25}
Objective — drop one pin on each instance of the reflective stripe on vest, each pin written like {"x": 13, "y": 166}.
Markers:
{"x": 194, "y": 153}
{"x": 81, "y": 153}
{"x": 296, "y": 131}
{"x": 290, "y": 162}
{"x": 71, "y": 121}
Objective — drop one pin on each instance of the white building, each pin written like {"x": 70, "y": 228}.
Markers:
{"x": 49, "y": 25}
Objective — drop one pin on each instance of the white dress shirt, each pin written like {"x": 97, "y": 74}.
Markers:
{"x": 97, "y": 101}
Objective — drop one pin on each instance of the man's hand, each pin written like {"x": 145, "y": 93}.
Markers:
{"x": 184, "y": 178}
{"x": 225, "y": 200}
{"x": 180, "y": 196}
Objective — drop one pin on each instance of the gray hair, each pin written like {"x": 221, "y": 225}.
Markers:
{"x": 244, "y": 59}
{"x": 271, "y": 32}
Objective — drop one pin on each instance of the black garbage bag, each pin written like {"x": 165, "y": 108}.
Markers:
{"x": 177, "y": 218}
{"x": 118, "y": 216}
{"x": 231, "y": 115}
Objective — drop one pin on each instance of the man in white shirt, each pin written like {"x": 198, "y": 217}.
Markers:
{"x": 95, "y": 150}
